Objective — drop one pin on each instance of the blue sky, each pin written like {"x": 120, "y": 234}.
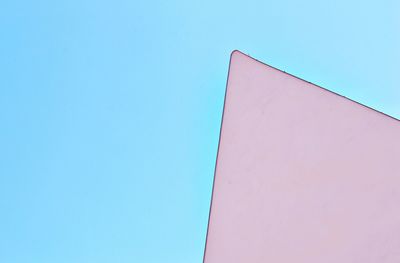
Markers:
{"x": 110, "y": 111}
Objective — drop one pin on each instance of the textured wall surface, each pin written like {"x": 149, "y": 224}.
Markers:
{"x": 302, "y": 175}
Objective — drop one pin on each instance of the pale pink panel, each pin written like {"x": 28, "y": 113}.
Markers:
{"x": 303, "y": 175}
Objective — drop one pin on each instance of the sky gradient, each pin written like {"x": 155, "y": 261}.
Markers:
{"x": 110, "y": 112}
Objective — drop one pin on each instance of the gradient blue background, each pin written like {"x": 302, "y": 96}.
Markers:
{"x": 110, "y": 111}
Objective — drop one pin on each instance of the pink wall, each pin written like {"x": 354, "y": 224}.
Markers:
{"x": 303, "y": 174}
